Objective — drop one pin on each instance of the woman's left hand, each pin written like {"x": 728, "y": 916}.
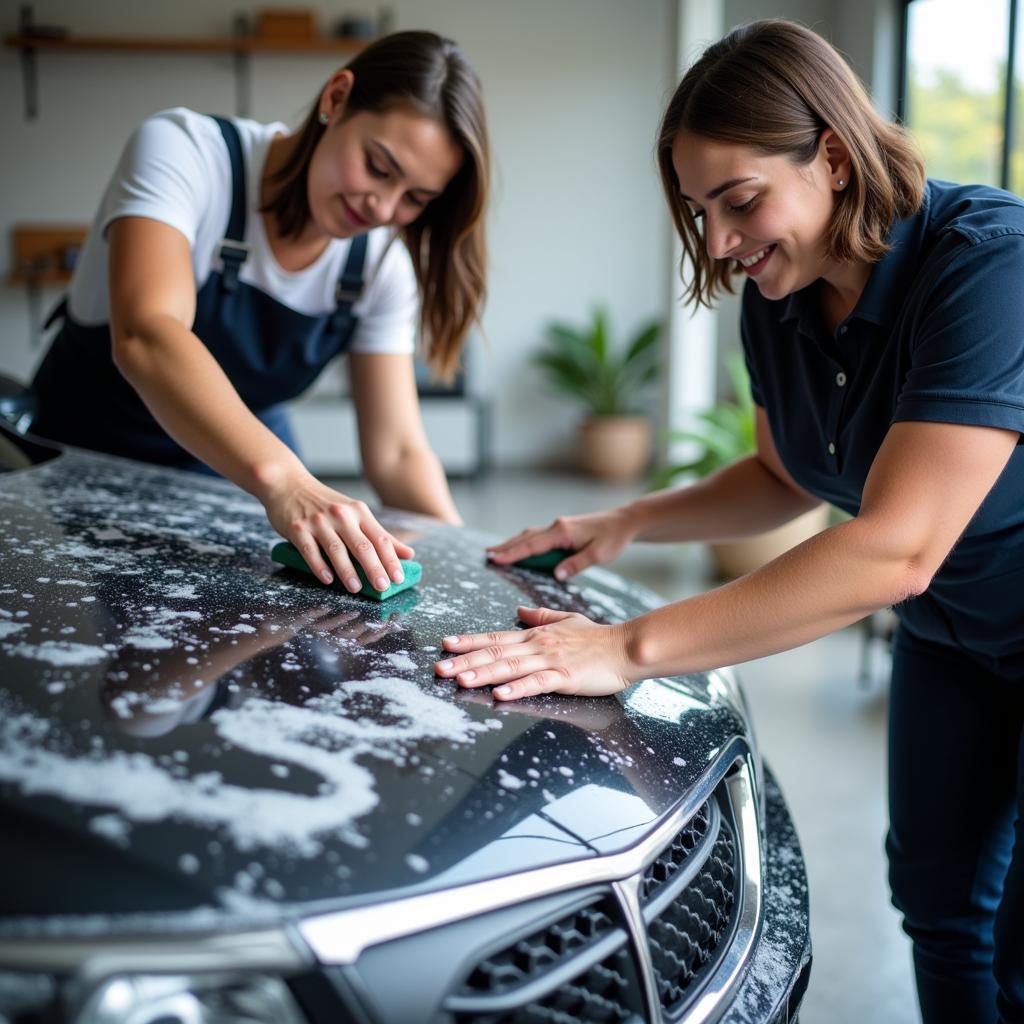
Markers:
{"x": 562, "y": 652}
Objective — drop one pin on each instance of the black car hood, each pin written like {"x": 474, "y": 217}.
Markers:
{"x": 187, "y": 729}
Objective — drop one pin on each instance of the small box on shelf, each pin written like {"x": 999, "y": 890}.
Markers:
{"x": 292, "y": 23}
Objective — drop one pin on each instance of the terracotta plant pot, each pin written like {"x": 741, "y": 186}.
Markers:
{"x": 615, "y": 447}
{"x": 738, "y": 557}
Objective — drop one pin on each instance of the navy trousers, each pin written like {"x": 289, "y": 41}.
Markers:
{"x": 956, "y": 838}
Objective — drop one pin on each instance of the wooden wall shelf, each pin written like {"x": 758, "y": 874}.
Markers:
{"x": 43, "y": 256}
{"x": 186, "y": 44}
{"x": 241, "y": 47}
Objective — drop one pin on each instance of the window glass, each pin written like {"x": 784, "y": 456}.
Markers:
{"x": 1016, "y": 182}
{"x": 956, "y": 73}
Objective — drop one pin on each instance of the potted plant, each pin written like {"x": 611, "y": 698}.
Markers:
{"x": 612, "y": 381}
{"x": 727, "y": 434}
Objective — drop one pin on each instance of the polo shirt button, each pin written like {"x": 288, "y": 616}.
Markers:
{"x": 842, "y": 329}
{"x": 840, "y": 378}
{"x": 831, "y": 448}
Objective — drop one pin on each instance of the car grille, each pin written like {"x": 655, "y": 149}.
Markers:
{"x": 684, "y": 939}
{"x": 541, "y": 952}
{"x": 582, "y": 966}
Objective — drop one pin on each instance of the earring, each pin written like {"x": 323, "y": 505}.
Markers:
{"x": 323, "y": 117}
{"x": 841, "y": 182}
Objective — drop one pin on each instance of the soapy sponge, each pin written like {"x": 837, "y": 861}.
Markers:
{"x": 288, "y": 554}
{"x": 545, "y": 561}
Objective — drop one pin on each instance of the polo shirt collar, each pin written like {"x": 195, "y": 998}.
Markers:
{"x": 887, "y": 287}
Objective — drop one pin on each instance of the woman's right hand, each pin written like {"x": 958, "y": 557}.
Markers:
{"x": 318, "y": 519}
{"x": 594, "y": 538}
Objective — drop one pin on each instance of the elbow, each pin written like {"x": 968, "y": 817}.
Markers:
{"x": 127, "y": 349}
{"x": 912, "y": 579}
{"x": 898, "y": 565}
{"x": 382, "y": 465}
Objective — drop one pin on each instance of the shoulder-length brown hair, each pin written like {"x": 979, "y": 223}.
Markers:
{"x": 776, "y": 86}
{"x": 430, "y": 75}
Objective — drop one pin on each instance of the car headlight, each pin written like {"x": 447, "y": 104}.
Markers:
{"x": 25, "y": 995}
{"x": 221, "y": 998}
{"x": 191, "y": 999}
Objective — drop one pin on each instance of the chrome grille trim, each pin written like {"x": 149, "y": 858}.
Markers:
{"x": 270, "y": 949}
{"x": 340, "y": 937}
{"x": 629, "y": 894}
{"x": 727, "y": 974}
{"x": 669, "y": 891}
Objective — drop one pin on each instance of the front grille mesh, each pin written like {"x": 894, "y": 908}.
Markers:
{"x": 542, "y": 951}
{"x": 686, "y": 935}
{"x": 607, "y": 992}
{"x": 665, "y": 866}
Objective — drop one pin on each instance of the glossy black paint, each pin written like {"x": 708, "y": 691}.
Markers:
{"x": 191, "y": 736}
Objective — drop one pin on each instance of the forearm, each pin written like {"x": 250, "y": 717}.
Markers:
{"x": 829, "y": 581}
{"x": 413, "y": 479}
{"x": 741, "y": 500}
{"x": 192, "y": 398}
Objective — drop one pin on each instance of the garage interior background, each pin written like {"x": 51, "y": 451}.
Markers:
{"x": 574, "y": 90}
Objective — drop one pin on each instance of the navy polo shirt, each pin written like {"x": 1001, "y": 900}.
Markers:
{"x": 937, "y": 335}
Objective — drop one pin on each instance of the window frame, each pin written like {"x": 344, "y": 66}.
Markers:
{"x": 903, "y": 70}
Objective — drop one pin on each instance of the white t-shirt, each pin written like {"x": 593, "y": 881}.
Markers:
{"x": 176, "y": 169}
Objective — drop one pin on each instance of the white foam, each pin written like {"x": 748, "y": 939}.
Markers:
{"x": 112, "y": 827}
{"x": 509, "y": 781}
{"x": 331, "y": 736}
{"x": 61, "y": 652}
{"x": 605, "y": 602}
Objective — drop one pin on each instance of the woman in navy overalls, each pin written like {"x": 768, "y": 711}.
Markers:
{"x": 232, "y": 261}
{"x": 883, "y": 326}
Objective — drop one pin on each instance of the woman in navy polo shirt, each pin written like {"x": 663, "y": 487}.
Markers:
{"x": 883, "y": 324}
{"x": 231, "y": 261}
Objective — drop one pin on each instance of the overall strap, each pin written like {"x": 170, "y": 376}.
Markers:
{"x": 59, "y": 312}
{"x": 233, "y": 250}
{"x": 350, "y": 284}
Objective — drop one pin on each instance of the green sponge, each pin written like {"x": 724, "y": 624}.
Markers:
{"x": 546, "y": 560}
{"x": 288, "y": 554}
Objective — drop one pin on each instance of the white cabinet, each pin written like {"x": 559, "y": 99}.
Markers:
{"x": 325, "y": 427}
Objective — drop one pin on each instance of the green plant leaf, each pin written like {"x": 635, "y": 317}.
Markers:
{"x": 737, "y": 369}
{"x": 583, "y": 362}
{"x": 599, "y": 335}
{"x": 643, "y": 343}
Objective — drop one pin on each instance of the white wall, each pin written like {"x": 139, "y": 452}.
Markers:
{"x": 574, "y": 89}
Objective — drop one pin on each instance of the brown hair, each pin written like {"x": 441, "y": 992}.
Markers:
{"x": 431, "y": 76}
{"x": 776, "y": 86}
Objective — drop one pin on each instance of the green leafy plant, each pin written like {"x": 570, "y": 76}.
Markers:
{"x": 585, "y": 364}
{"x": 727, "y": 433}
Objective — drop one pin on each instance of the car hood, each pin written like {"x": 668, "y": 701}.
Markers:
{"x": 187, "y": 729}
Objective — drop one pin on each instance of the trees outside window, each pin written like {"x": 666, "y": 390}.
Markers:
{"x": 961, "y": 89}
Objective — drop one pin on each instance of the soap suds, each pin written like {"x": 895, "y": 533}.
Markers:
{"x": 329, "y": 737}
{"x": 60, "y": 652}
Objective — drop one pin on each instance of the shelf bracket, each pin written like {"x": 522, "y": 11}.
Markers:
{"x": 243, "y": 83}
{"x": 30, "y": 82}
{"x": 29, "y": 66}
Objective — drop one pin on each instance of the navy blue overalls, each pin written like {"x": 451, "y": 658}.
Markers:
{"x": 270, "y": 353}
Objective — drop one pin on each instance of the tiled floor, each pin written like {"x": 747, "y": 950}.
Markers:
{"x": 823, "y": 733}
